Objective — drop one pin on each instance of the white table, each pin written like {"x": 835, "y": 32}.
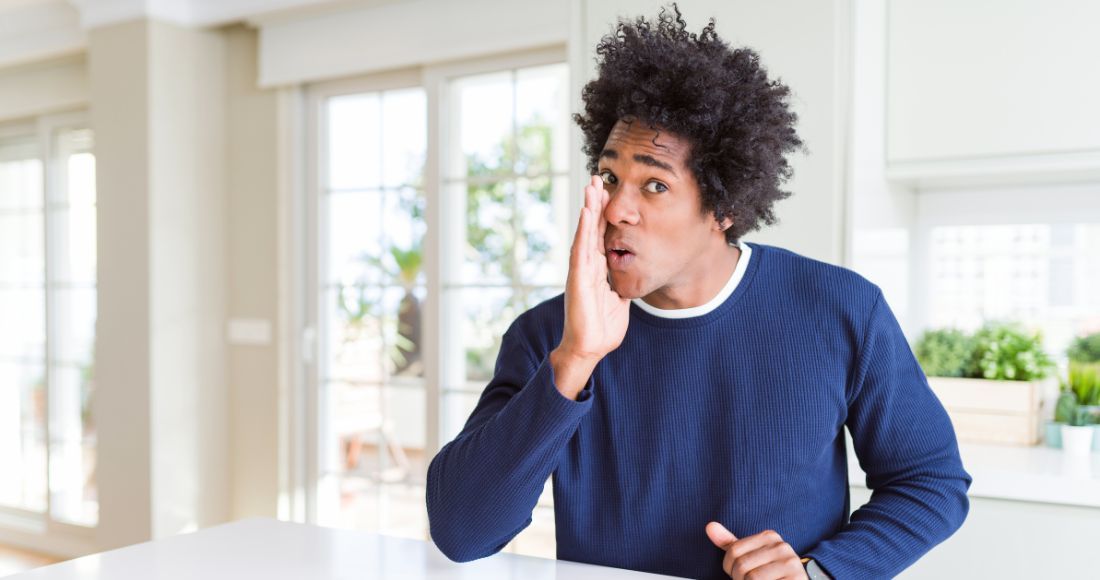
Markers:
{"x": 274, "y": 550}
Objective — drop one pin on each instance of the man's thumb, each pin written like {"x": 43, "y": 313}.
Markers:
{"x": 720, "y": 535}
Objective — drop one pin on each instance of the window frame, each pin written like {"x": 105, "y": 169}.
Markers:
{"x": 20, "y": 526}
{"x": 434, "y": 79}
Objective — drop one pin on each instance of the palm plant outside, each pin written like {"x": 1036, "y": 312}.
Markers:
{"x": 497, "y": 242}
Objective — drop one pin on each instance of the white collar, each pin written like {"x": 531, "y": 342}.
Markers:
{"x": 723, "y": 294}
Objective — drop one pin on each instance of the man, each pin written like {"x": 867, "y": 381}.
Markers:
{"x": 689, "y": 391}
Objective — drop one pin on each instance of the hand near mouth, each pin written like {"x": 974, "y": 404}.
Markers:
{"x": 596, "y": 316}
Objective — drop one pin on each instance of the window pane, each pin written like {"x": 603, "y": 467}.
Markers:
{"x": 405, "y": 132}
{"x": 72, "y": 453}
{"x": 20, "y": 175}
{"x": 73, "y": 319}
{"x": 21, "y": 249}
{"x": 542, "y": 119}
{"x": 81, "y": 179}
{"x": 354, "y": 141}
{"x": 403, "y": 260}
{"x": 487, "y": 313}
{"x": 456, "y": 410}
{"x": 542, "y": 245}
{"x": 23, "y": 436}
{"x": 354, "y": 238}
{"x": 1041, "y": 275}
{"x": 402, "y": 314}
{"x": 490, "y": 234}
{"x": 73, "y": 244}
{"x": 484, "y": 107}
{"x": 354, "y": 334}
{"x": 23, "y": 312}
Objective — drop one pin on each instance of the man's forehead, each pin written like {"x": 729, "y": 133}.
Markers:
{"x": 652, "y": 140}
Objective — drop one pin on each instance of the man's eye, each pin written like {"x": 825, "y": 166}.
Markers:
{"x": 607, "y": 177}
{"x": 656, "y": 187}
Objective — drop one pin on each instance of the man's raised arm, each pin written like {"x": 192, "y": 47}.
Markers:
{"x": 483, "y": 486}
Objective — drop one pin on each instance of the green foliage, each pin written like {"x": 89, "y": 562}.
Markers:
{"x": 998, "y": 350}
{"x": 1084, "y": 382}
{"x": 944, "y": 352}
{"x": 1085, "y": 349}
{"x": 1004, "y": 351}
{"x": 1066, "y": 408}
{"x": 494, "y": 235}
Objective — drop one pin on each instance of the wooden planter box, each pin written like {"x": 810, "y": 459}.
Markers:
{"x": 985, "y": 411}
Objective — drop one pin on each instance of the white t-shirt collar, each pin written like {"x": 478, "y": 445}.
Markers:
{"x": 723, "y": 294}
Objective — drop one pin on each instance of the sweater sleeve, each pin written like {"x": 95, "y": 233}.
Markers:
{"x": 483, "y": 486}
{"x": 907, "y": 448}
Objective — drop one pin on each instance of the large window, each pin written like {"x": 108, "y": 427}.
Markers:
{"x": 48, "y": 312}
{"x": 1045, "y": 276}
{"x": 1028, "y": 253}
{"x": 476, "y": 158}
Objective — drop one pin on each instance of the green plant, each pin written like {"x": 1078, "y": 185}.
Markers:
{"x": 1085, "y": 349}
{"x": 1004, "y": 351}
{"x": 1084, "y": 381}
{"x": 1066, "y": 407}
{"x": 944, "y": 352}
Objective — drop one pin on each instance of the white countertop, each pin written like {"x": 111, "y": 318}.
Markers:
{"x": 276, "y": 550}
{"x": 1034, "y": 474}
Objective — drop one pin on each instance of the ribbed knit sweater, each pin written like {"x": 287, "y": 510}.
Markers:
{"x": 734, "y": 416}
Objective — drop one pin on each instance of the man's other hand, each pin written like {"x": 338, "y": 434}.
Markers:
{"x": 763, "y": 556}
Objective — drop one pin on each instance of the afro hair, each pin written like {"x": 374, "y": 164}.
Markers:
{"x": 737, "y": 121}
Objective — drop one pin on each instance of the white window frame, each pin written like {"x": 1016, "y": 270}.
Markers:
{"x": 303, "y": 117}
{"x": 21, "y": 527}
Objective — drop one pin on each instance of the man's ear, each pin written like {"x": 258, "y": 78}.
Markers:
{"x": 724, "y": 224}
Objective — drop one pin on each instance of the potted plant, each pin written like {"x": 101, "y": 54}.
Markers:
{"x": 991, "y": 382}
{"x": 1077, "y": 434}
{"x": 1083, "y": 389}
{"x": 1086, "y": 350}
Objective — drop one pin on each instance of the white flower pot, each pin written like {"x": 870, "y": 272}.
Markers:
{"x": 1077, "y": 440}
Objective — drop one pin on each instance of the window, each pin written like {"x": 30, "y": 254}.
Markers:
{"x": 1026, "y": 253}
{"x": 48, "y": 305}
{"x": 490, "y": 186}
{"x": 1042, "y": 275}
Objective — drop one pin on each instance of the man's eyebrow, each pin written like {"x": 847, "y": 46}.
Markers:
{"x": 653, "y": 162}
{"x": 640, "y": 158}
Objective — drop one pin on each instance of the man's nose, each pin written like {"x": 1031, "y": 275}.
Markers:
{"x": 622, "y": 207}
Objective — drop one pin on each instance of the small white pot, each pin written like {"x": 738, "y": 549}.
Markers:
{"x": 1077, "y": 440}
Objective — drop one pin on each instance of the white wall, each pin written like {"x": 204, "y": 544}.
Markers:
{"x": 398, "y": 35}
{"x": 43, "y": 87}
{"x": 805, "y": 45}
{"x": 882, "y": 213}
{"x": 157, "y": 98}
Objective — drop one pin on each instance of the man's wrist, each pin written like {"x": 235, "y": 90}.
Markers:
{"x": 571, "y": 371}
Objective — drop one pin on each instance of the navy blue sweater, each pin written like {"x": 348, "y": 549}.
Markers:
{"x": 735, "y": 416}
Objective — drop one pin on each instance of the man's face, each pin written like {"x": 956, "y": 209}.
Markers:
{"x": 654, "y": 211}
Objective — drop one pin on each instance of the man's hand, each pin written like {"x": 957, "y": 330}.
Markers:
{"x": 595, "y": 315}
{"x": 764, "y": 556}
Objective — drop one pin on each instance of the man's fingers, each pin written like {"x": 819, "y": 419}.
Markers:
{"x": 759, "y": 558}
{"x": 601, "y": 219}
{"x": 720, "y": 536}
{"x": 580, "y": 240}
{"x": 754, "y": 542}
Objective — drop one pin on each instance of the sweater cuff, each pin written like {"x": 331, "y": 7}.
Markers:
{"x": 544, "y": 374}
